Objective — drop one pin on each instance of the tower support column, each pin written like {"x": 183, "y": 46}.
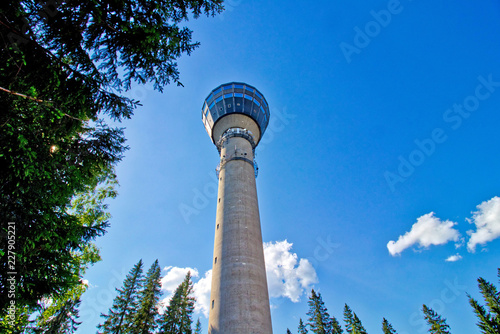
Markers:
{"x": 239, "y": 295}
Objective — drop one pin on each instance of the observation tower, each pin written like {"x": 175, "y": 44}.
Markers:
{"x": 236, "y": 116}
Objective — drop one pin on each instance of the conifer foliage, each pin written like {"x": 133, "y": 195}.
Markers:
{"x": 56, "y": 315}
{"x": 319, "y": 319}
{"x": 64, "y": 67}
{"x": 387, "y": 327}
{"x": 489, "y": 316}
{"x": 64, "y": 320}
{"x": 352, "y": 323}
{"x": 146, "y": 318}
{"x": 302, "y": 328}
{"x": 336, "y": 328}
{"x": 121, "y": 314}
{"x": 136, "y": 308}
{"x": 197, "y": 328}
{"x": 177, "y": 318}
{"x": 437, "y": 324}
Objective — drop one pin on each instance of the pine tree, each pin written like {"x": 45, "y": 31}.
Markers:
{"x": 177, "y": 317}
{"x": 348, "y": 319}
{"x": 489, "y": 316}
{"x": 336, "y": 328}
{"x": 288, "y": 331}
{"x": 302, "y": 328}
{"x": 438, "y": 325}
{"x": 387, "y": 327}
{"x": 352, "y": 323}
{"x": 319, "y": 319}
{"x": 121, "y": 314}
{"x": 197, "y": 329}
{"x": 358, "y": 326}
{"x": 145, "y": 320}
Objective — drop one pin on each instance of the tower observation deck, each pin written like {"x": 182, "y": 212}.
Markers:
{"x": 236, "y": 116}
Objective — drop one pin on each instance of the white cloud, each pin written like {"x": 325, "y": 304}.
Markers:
{"x": 287, "y": 276}
{"x": 174, "y": 276}
{"x": 202, "y": 293}
{"x": 487, "y": 221}
{"x": 454, "y": 258}
{"x": 427, "y": 231}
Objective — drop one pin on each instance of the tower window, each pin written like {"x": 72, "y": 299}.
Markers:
{"x": 212, "y": 303}
{"x": 219, "y": 200}
{"x": 215, "y": 261}
{"x": 217, "y": 226}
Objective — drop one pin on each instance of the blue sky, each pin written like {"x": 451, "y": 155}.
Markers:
{"x": 384, "y": 127}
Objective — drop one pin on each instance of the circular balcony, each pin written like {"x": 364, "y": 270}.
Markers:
{"x": 221, "y": 109}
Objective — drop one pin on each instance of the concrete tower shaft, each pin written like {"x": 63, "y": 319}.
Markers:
{"x": 235, "y": 116}
{"x": 239, "y": 295}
